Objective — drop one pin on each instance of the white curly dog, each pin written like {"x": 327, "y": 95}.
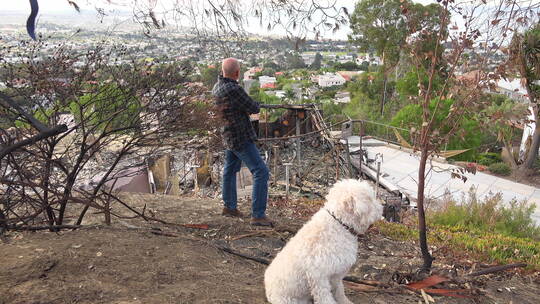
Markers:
{"x": 310, "y": 268}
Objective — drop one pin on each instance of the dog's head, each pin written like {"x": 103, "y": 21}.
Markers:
{"x": 354, "y": 203}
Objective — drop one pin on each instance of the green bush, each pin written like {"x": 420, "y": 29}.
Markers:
{"x": 488, "y": 215}
{"x": 500, "y": 168}
{"x": 489, "y": 158}
{"x": 487, "y": 228}
{"x": 488, "y": 246}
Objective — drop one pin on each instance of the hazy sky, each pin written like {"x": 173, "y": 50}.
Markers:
{"x": 123, "y": 8}
{"x": 48, "y": 7}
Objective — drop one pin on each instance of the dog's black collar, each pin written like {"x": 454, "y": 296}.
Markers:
{"x": 349, "y": 228}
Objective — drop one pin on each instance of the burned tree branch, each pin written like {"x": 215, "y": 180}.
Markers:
{"x": 37, "y": 228}
{"x": 31, "y": 119}
{"x": 42, "y": 135}
{"x": 496, "y": 269}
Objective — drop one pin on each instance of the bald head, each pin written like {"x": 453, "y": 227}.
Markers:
{"x": 231, "y": 68}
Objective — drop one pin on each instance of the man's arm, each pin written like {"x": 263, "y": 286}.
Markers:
{"x": 243, "y": 102}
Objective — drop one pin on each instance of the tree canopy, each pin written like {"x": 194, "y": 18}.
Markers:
{"x": 379, "y": 26}
{"x": 317, "y": 62}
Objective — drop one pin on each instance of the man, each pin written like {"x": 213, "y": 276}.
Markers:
{"x": 234, "y": 107}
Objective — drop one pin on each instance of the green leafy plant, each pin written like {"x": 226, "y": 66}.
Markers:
{"x": 488, "y": 158}
{"x": 487, "y": 229}
{"x": 500, "y": 168}
{"x": 485, "y": 246}
{"x": 110, "y": 107}
{"x": 410, "y": 117}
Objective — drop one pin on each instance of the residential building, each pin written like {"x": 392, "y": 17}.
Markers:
{"x": 369, "y": 58}
{"x": 267, "y": 82}
{"x": 330, "y": 80}
{"x": 346, "y": 58}
{"x": 512, "y": 89}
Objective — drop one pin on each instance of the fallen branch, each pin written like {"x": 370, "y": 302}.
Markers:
{"x": 49, "y": 227}
{"x": 496, "y": 269}
{"x": 242, "y": 255}
{"x": 149, "y": 218}
{"x": 236, "y": 238}
{"x": 169, "y": 234}
{"x": 257, "y": 233}
{"x": 31, "y": 119}
{"x": 360, "y": 287}
{"x": 365, "y": 282}
{"x": 456, "y": 293}
{"x": 193, "y": 226}
{"x": 40, "y": 136}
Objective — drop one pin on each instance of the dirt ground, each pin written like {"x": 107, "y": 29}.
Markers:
{"x": 134, "y": 261}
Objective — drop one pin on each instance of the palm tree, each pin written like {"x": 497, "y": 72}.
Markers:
{"x": 525, "y": 56}
{"x": 289, "y": 95}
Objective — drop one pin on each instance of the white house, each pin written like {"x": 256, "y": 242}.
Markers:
{"x": 371, "y": 59}
{"x": 512, "y": 89}
{"x": 330, "y": 79}
{"x": 346, "y": 58}
{"x": 267, "y": 81}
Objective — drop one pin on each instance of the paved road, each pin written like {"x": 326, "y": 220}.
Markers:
{"x": 401, "y": 168}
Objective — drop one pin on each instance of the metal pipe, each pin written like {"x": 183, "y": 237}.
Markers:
{"x": 377, "y": 181}
{"x": 275, "y": 152}
{"x": 337, "y": 164}
{"x": 287, "y": 169}
{"x": 298, "y": 149}
{"x": 265, "y": 124}
{"x": 348, "y": 154}
{"x": 378, "y": 160}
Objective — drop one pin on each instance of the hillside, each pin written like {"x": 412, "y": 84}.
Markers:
{"x": 134, "y": 261}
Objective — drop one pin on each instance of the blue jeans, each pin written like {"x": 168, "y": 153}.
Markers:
{"x": 249, "y": 154}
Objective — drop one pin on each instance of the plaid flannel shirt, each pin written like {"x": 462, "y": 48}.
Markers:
{"x": 234, "y": 106}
